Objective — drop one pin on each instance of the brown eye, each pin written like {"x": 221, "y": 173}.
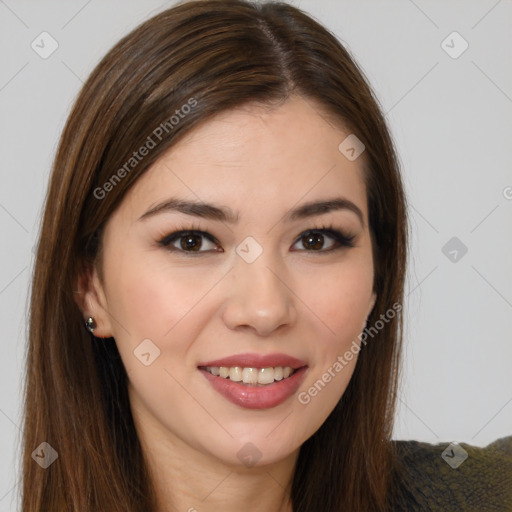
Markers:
{"x": 189, "y": 242}
{"x": 314, "y": 240}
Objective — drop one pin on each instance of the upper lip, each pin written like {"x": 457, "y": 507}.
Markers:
{"x": 256, "y": 361}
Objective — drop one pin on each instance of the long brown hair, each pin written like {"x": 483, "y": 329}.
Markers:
{"x": 220, "y": 54}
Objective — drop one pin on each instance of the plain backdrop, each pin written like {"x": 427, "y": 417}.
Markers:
{"x": 449, "y": 111}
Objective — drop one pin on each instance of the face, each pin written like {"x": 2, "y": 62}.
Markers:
{"x": 257, "y": 286}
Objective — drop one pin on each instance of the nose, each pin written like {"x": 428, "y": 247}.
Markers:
{"x": 260, "y": 297}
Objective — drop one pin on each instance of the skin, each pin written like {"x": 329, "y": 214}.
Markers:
{"x": 261, "y": 163}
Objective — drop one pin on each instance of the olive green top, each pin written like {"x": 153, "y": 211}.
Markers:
{"x": 454, "y": 477}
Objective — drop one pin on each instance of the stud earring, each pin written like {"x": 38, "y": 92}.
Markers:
{"x": 90, "y": 324}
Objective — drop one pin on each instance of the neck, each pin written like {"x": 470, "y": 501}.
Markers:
{"x": 195, "y": 488}
{"x": 187, "y": 479}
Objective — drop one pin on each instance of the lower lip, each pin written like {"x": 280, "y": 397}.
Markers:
{"x": 257, "y": 397}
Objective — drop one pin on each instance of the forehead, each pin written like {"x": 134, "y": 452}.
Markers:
{"x": 257, "y": 157}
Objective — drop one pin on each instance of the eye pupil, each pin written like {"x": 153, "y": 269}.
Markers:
{"x": 190, "y": 242}
{"x": 313, "y": 241}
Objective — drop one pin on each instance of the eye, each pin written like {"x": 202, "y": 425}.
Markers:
{"x": 192, "y": 241}
{"x": 189, "y": 241}
{"x": 314, "y": 240}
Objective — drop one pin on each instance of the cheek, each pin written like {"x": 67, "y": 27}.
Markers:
{"x": 341, "y": 300}
{"x": 153, "y": 298}
{"x": 341, "y": 303}
{"x": 167, "y": 305}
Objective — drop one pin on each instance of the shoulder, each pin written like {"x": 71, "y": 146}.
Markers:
{"x": 450, "y": 476}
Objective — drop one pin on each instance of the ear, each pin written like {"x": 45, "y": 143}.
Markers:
{"x": 91, "y": 299}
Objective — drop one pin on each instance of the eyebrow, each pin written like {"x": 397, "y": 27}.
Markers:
{"x": 225, "y": 214}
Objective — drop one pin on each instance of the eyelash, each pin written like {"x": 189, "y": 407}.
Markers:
{"x": 342, "y": 240}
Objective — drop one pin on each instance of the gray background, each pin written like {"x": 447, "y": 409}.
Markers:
{"x": 451, "y": 121}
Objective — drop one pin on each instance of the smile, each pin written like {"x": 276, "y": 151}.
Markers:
{"x": 255, "y": 381}
{"x": 252, "y": 376}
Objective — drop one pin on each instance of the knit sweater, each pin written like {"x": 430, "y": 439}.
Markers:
{"x": 454, "y": 477}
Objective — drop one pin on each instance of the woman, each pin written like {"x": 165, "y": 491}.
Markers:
{"x": 226, "y": 217}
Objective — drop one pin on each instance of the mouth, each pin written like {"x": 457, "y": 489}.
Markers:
{"x": 253, "y": 381}
{"x": 251, "y": 376}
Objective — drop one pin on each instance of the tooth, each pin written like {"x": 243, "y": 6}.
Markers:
{"x": 278, "y": 373}
{"x": 250, "y": 375}
{"x": 266, "y": 376}
{"x": 235, "y": 373}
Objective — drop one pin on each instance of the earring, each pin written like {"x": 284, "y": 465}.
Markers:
{"x": 90, "y": 324}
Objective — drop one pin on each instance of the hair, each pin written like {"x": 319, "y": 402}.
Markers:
{"x": 214, "y": 55}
